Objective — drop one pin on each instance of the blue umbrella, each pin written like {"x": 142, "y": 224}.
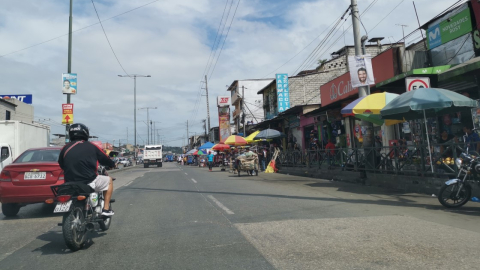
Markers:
{"x": 207, "y": 145}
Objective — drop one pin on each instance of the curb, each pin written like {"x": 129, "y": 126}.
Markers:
{"x": 122, "y": 169}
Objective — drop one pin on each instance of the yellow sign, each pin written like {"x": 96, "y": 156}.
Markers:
{"x": 67, "y": 119}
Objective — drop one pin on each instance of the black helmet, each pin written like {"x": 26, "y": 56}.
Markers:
{"x": 78, "y": 131}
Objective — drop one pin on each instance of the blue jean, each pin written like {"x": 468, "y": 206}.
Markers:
{"x": 262, "y": 164}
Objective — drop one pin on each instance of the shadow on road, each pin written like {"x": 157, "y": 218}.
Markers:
{"x": 56, "y": 243}
{"x": 39, "y": 210}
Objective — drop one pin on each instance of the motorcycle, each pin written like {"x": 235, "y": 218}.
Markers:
{"x": 457, "y": 192}
{"x": 82, "y": 208}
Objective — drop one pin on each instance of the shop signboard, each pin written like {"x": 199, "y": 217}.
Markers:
{"x": 476, "y": 11}
{"x": 337, "y": 89}
{"x": 224, "y": 123}
{"x": 69, "y": 81}
{"x": 449, "y": 29}
{"x": 283, "y": 92}
{"x": 23, "y": 98}
{"x": 476, "y": 42}
{"x": 223, "y": 101}
{"x": 361, "y": 71}
{"x": 414, "y": 83}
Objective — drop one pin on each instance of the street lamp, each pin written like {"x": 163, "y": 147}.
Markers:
{"x": 134, "y": 106}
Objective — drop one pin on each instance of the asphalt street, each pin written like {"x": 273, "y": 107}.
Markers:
{"x": 185, "y": 217}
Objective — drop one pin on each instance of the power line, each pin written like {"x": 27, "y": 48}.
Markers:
{"x": 221, "y": 49}
{"x": 43, "y": 42}
{"x": 101, "y": 24}
{"x": 387, "y": 15}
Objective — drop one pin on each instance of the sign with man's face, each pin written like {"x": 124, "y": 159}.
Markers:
{"x": 69, "y": 81}
{"x": 361, "y": 71}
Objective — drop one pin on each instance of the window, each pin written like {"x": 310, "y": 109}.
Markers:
{"x": 4, "y": 153}
{"x": 7, "y": 115}
{"x": 39, "y": 156}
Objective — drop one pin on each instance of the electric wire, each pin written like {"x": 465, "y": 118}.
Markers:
{"x": 46, "y": 41}
{"x": 113, "y": 51}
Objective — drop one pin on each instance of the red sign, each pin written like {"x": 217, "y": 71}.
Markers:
{"x": 383, "y": 68}
{"x": 476, "y": 11}
{"x": 338, "y": 89}
{"x": 67, "y": 108}
{"x": 223, "y": 101}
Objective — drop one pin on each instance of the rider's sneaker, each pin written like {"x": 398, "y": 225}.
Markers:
{"x": 107, "y": 213}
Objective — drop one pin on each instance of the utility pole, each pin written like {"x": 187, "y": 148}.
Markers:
{"x": 208, "y": 106}
{"x": 127, "y": 135}
{"x": 363, "y": 90}
{"x": 148, "y": 121}
{"x": 205, "y": 127}
{"x": 404, "y": 66}
{"x": 188, "y": 138}
{"x": 69, "y": 69}
{"x": 243, "y": 111}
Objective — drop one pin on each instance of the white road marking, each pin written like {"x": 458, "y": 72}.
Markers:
{"x": 128, "y": 183}
{"x": 194, "y": 181}
{"x": 186, "y": 173}
{"x": 230, "y": 212}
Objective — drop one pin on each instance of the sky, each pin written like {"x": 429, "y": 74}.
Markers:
{"x": 174, "y": 41}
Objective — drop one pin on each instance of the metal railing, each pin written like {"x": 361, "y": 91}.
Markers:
{"x": 400, "y": 160}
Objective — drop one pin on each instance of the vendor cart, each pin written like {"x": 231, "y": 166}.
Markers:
{"x": 247, "y": 163}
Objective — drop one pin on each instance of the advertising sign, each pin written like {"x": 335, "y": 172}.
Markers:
{"x": 283, "y": 92}
{"x": 414, "y": 83}
{"x": 69, "y": 81}
{"x": 223, "y": 101}
{"x": 224, "y": 123}
{"x": 67, "y": 113}
{"x": 449, "y": 29}
{"x": 476, "y": 42}
{"x": 23, "y": 98}
{"x": 337, "y": 89}
{"x": 361, "y": 71}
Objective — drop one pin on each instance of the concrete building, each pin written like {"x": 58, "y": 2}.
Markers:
{"x": 252, "y": 103}
{"x": 12, "y": 109}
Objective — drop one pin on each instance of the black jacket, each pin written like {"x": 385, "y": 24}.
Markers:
{"x": 79, "y": 160}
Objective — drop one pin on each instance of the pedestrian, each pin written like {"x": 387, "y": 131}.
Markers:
{"x": 261, "y": 159}
{"x": 378, "y": 149}
{"x": 472, "y": 140}
{"x": 330, "y": 148}
{"x": 210, "y": 160}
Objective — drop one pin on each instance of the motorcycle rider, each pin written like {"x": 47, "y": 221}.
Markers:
{"x": 79, "y": 160}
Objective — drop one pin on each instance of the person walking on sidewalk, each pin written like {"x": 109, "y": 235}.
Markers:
{"x": 261, "y": 159}
{"x": 210, "y": 160}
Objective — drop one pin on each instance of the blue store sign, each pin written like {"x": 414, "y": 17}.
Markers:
{"x": 23, "y": 98}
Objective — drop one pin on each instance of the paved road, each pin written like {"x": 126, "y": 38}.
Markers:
{"x": 188, "y": 218}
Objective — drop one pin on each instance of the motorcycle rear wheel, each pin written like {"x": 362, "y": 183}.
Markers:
{"x": 448, "y": 195}
{"x": 73, "y": 233}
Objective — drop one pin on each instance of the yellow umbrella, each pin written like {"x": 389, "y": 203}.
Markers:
{"x": 235, "y": 140}
{"x": 250, "y": 137}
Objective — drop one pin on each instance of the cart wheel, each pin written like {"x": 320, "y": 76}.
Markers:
{"x": 256, "y": 172}
{"x": 238, "y": 173}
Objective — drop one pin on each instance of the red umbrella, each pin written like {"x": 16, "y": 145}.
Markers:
{"x": 235, "y": 140}
{"x": 221, "y": 147}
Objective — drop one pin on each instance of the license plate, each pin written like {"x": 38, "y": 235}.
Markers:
{"x": 34, "y": 175}
{"x": 62, "y": 207}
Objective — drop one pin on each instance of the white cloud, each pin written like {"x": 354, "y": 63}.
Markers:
{"x": 171, "y": 41}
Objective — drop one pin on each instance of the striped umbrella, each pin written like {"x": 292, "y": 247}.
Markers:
{"x": 235, "y": 140}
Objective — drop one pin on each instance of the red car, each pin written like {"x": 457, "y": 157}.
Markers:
{"x": 28, "y": 179}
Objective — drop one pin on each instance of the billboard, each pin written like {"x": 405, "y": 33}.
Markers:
{"x": 23, "y": 98}
{"x": 224, "y": 123}
{"x": 223, "y": 101}
{"x": 449, "y": 29}
{"x": 361, "y": 71}
{"x": 337, "y": 89}
{"x": 69, "y": 82}
{"x": 283, "y": 92}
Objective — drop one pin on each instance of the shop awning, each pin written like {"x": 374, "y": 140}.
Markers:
{"x": 458, "y": 70}
{"x": 414, "y": 72}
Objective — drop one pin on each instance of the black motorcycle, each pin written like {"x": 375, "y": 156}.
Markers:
{"x": 457, "y": 192}
{"x": 83, "y": 211}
